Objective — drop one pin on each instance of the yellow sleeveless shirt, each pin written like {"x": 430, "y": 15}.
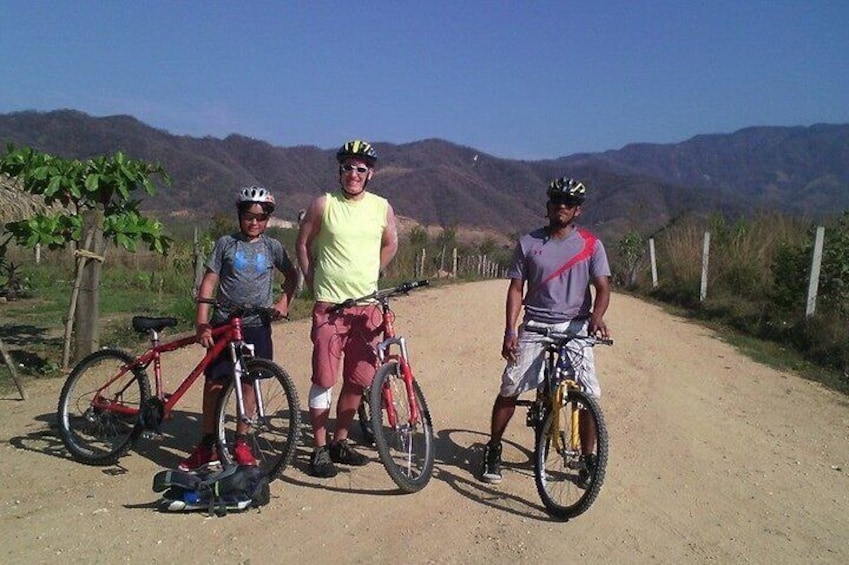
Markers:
{"x": 347, "y": 249}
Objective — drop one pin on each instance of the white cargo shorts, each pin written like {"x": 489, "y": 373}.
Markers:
{"x": 527, "y": 372}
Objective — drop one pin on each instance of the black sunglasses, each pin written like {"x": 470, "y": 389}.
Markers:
{"x": 249, "y": 216}
{"x": 567, "y": 202}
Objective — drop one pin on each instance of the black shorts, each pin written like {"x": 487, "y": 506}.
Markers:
{"x": 221, "y": 367}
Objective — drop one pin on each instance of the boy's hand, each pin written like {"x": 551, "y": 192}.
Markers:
{"x": 204, "y": 335}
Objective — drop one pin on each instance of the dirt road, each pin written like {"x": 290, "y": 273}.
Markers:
{"x": 713, "y": 458}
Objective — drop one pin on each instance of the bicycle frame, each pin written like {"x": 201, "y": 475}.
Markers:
{"x": 559, "y": 377}
{"x": 390, "y": 339}
{"x": 228, "y": 335}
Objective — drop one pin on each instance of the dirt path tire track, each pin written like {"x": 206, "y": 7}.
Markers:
{"x": 713, "y": 458}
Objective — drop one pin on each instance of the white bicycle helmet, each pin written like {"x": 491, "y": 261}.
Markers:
{"x": 255, "y": 195}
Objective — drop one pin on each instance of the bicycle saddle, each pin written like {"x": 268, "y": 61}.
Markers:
{"x": 143, "y": 324}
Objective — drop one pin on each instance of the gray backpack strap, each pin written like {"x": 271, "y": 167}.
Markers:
{"x": 212, "y": 483}
{"x": 163, "y": 480}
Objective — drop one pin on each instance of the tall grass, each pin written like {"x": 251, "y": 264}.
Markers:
{"x": 757, "y": 280}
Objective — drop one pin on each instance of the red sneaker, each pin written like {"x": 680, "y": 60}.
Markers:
{"x": 203, "y": 457}
{"x": 242, "y": 453}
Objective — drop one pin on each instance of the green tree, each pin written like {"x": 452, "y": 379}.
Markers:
{"x": 96, "y": 208}
{"x": 632, "y": 249}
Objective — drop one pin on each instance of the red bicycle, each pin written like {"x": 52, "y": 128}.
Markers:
{"x": 400, "y": 419}
{"x": 106, "y": 403}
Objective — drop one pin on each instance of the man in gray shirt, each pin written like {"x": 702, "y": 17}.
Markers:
{"x": 558, "y": 263}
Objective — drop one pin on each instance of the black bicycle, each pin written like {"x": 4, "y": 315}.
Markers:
{"x": 571, "y": 443}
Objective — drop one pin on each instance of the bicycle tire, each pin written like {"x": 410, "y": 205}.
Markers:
{"x": 406, "y": 453}
{"x": 564, "y": 492}
{"x": 92, "y": 435}
{"x": 273, "y": 440}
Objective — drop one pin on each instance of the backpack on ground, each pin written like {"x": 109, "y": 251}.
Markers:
{"x": 233, "y": 488}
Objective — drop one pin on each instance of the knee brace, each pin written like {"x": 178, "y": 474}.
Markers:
{"x": 320, "y": 397}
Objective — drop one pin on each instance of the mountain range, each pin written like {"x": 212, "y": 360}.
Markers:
{"x": 796, "y": 170}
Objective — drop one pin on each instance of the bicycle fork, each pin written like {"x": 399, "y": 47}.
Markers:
{"x": 407, "y": 376}
{"x": 238, "y": 352}
{"x": 560, "y": 445}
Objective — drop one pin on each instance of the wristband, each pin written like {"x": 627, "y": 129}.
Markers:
{"x": 509, "y": 333}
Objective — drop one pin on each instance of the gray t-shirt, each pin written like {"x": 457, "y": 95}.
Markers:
{"x": 245, "y": 272}
{"x": 558, "y": 274}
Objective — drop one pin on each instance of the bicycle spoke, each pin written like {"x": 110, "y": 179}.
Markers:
{"x": 570, "y": 462}
{"x": 272, "y": 435}
{"x": 405, "y": 448}
{"x": 98, "y": 407}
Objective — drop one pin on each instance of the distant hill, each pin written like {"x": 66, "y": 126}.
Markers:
{"x": 435, "y": 182}
{"x": 794, "y": 169}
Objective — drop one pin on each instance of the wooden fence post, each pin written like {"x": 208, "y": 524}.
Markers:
{"x": 197, "y": 261}
{"x": 454, "y": 263}
{"x": 422, "y": 264}
{"x": 653, "y": 259}
{"x": 11, "y": 364}
{"x": 705, "y": 254}
{"x": 813, "y": 284}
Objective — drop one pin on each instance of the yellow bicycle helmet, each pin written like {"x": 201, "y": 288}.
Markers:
{"x": 357, "y": 148}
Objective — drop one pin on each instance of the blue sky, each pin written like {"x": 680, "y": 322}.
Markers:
{"x": 521, "y": 80}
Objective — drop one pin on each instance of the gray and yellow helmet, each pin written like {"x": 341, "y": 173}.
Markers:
{"x": 357, "y": 148}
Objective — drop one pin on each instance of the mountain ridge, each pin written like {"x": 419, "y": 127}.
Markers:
{"x": 798, "y": 169}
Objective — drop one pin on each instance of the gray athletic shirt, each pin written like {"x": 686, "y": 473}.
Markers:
{"x": 246, "y": 272}
{"x": 558, "y": 273}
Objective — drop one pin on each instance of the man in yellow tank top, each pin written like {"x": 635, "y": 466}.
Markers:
{"x": 345, "y": 239}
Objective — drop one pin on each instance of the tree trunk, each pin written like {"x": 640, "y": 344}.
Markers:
{"x": 87, "y": 315}
{"x": 81, "y": 259}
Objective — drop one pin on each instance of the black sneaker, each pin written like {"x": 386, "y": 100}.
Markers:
{"x": 492, "y": 463}
{"x": 342, "y": 452}
{"x": 587, "y": 470}
{"x": 320, "y": 464}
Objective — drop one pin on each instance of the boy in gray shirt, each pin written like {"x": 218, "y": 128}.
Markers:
{"x": 242, "y": 267}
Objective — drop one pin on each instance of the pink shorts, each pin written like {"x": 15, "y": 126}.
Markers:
{"x": 343, "y": 343}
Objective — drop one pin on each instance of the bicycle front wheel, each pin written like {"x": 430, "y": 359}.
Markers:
{"x": 567, "y": 479}
{"x": 272, "y": 433}
{"x": 98, "y": 411}
{"x": 405, "y": 446}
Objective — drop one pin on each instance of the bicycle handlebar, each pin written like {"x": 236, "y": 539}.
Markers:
{"x": 561, "y": 336}
{"x": 380, "y": 295}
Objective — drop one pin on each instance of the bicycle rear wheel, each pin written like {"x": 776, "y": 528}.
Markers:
{"x": 98, "y": 419}
{"x": 273, "y": 438}
{"x": 566, "y": 484}
{"x": 406, "y": 449}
